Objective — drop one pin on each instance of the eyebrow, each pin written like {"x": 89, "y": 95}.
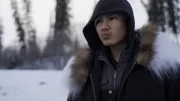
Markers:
{"x": 107, "y": 15}
{"x": 97, "y": 19}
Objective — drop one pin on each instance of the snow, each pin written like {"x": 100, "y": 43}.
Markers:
{"x": 20, "y": 85}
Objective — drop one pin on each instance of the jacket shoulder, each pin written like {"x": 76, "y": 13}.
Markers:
{"x": 159, "y": 52}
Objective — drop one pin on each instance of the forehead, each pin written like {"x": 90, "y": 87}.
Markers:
{"x": 120, "y": 17}
{"x": 108, "y": 15}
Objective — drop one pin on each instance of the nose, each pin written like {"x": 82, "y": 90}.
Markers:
{"x": 105, "y": 25}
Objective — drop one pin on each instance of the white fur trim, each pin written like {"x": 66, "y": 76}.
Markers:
{"x": 167, "y": 55}
{"x": 74, "y": 88}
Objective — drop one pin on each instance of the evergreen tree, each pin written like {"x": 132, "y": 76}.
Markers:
{"x": 33, "y": 49}
{"x": 164, "y": 13}
{"x": 59, "y": 41}
{"x": 1, "y": 32}
{"x": 49, "y": 48}
{"x": 19, "y": 28}
{"x": 61, "y": 30}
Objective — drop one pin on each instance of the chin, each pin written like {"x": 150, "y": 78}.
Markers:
{"x": 108, "y": 43}
{"x": 111, "y": 42}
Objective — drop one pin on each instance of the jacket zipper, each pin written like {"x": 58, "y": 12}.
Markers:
{"x": 115, "y": 73}
{"x": 94, "y": 93}
{"x": 125, "y": 80}
{"x": 114, "y": 77}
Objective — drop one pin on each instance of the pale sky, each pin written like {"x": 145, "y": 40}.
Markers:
{"x": 42, "y": 9}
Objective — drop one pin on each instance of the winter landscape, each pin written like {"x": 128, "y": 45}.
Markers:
{"x": 35, "y": 46}
{"x": 22, "y": 85}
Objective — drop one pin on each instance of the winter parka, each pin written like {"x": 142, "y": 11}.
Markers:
{"x": 151, "y": 62}
{"x": 154, "y": 76}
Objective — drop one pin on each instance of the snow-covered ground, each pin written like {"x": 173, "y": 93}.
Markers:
{"x": 20, "y": 85}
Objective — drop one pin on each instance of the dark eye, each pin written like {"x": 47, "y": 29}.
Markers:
{"x": 97, "y": 21}
{"x": 112, "y": 17}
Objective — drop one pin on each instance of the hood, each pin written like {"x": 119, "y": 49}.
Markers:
{"x": 106, "y": 7}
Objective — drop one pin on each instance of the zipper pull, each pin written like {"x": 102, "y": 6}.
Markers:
{"x": 115, "y": 74}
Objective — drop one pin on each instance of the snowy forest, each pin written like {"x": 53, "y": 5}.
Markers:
{"x": 59, "y": 45}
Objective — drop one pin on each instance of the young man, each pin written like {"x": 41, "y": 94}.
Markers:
{"x": 117, "y": 67}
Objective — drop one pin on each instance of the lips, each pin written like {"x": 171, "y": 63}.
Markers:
{"x": 105, "y": 36}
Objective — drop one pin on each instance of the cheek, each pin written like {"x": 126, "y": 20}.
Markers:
{"x": 97, "y": 30}
{"x": 119, "y": 33}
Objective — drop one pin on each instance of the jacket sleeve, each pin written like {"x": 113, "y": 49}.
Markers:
{"x": 174, "y": 87}
{"x": 177, "y": 84}
{"x": 72, "y": 96}
{"x": 178, "y": 87}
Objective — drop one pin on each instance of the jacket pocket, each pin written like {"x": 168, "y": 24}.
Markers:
{"x": 104, "y": 81}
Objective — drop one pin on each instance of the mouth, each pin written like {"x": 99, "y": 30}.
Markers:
{"x": 106, "y": 36}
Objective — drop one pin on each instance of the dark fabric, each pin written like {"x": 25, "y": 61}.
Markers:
{"x": 111, "y": 75}
{"x": 140, "y": 85}
{"x": 109, "y": 97}
{"x": 113, "y": 62}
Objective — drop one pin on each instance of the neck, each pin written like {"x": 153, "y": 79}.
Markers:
{"x": 116, "y": 50}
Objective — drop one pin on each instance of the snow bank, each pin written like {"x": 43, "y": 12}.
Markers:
{"x": 18, "y": 85}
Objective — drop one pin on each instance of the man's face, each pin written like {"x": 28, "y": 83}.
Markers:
{"x": 111, "y": 29}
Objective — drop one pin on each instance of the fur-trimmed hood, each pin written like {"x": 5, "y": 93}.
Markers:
{"x": 157, "y": 52}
